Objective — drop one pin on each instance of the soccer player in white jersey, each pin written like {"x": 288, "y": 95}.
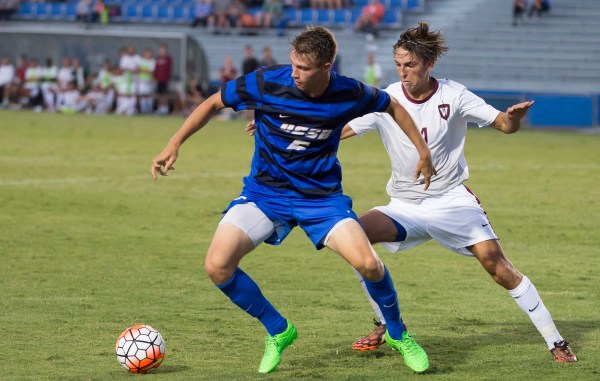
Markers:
{"x": 448, "y": 211}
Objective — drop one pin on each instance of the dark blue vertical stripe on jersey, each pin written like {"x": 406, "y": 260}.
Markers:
{"x": 247, "y": 85}
{"x": 229, "y": 96}
{"x": 297, "y": 137}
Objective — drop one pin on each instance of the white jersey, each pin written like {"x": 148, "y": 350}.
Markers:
{"x": 65, "y": 76}
{"x": 7, "y": 74}
{"x": 442, "y": 119}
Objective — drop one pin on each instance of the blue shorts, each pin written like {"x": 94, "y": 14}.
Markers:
{"x": 316, "y": 216}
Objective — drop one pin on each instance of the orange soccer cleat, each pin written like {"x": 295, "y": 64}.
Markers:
{"x": 373, "y": 340}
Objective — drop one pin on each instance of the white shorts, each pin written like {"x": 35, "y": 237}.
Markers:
{"x": 455, "y": 220}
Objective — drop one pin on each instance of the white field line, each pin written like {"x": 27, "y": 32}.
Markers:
{"x": 97, "y": 179}
{"x": 178, "y": 176}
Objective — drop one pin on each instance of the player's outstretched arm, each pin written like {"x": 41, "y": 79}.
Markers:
{"x": 510, "y": 121}
{"x": 406, "y": 123}
{"x": 163, "y": 163}
{"x": 347, "y": 132}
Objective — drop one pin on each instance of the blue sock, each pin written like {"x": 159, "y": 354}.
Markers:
{"x": 244, "y": 292}
{"x": 383, "y": 293}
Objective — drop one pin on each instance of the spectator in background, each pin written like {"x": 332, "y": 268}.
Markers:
{"x": 162, "y": 74}
{"x": 203, "y": 13}
{"x": 267, "y": 58}
{"x": 220, "y": 15}
{"x": 22, "y": 66}
{"x": 271, "y": 13}
{"x": 79, "y": 74}
{"x": 372, "y": 72}
{"x": 65, "y": 77}
{"x": 519, "y": 8}
{"x": 49, "y": 85}
{"x": 104, "y": 75}
{"x": 71, "y": 100}
{"x": 327, "y": 4}
{"x": 235, "y": 12}
{"x": 227, "y": 72}
{"x": 8, "y": 8}
{"x": 7, "y": 78}
{"x": 126, "y": 97}
{"x": 103, "y": 103}
{"x": 147, "y": 64}
{"x": 31, "y": 88}
{"x": 370, "y": 18}
{"x": 83, "y": 11}
{"x": 65, "y": 74}
{"x": 130, "y": 63}
{"x": 538, "y": 7}
{"x": 100, "y": 12}
{"x": 249, "y": 64}
{"x": 96, "y": 101}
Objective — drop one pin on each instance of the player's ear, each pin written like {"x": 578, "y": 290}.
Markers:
{"x": 327, "y": 66}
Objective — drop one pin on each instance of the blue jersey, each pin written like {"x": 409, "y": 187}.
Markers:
{"x": 297, "y": 137}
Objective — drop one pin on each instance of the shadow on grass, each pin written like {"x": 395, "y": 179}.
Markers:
{"x": 171, "y": 369}
{"x": 446, "y": 352}
{"x": 468, "y": 338}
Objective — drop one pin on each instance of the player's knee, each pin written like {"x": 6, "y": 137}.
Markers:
{"x": 371, "y": 268}
{"x": 216, "y": 270}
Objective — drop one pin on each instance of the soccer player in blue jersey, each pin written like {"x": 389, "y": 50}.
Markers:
{"x": 295, "y": 179}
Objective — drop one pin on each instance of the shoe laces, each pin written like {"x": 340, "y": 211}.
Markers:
{"x": 409, "y": 344}
{"x": 563, "y": 344}
{"x": 271, "y": 345}
{"x": 377, "y": 322}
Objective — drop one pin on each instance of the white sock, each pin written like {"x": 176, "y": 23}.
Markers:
{"x": 530, "y": 302}
{"x": 373, "y": 304}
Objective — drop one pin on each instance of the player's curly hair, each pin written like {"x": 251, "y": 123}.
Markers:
{"x": 316, "y": 45}
{"x": 427, "y": 46}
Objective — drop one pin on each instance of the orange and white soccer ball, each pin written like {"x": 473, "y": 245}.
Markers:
{"x": 140, "y": 348}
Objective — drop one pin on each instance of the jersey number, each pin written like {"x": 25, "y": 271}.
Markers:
{"x": 298, "y": 145}
{"x": 424, "y": 133}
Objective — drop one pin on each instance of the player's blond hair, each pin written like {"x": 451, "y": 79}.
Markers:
{"x": 427, "y": 46}
{"x": 316, "y": 44}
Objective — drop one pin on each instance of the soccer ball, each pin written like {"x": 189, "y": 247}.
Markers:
{"x": 140, "y": 348}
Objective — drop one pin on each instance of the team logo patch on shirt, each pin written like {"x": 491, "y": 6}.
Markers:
{"x": 444, "y": 110}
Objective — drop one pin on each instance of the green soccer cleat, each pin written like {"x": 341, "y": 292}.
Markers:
{"x": 414, "y": 356}
{"x": 274, "y": 346}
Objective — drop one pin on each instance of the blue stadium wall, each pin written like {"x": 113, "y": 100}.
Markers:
{"x": 551, "y": 110}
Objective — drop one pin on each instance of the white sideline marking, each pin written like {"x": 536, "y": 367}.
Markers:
{"x": 79, "y": 180}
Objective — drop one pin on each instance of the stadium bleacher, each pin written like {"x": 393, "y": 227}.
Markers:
{"x": 557, "y": 53}
{"x": 182, "y": 12}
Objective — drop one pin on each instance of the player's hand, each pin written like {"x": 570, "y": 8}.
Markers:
{"x": 163, "y": 163}
{"x": 426, "y": 169}
{"x": 251, "y": 128}
{"x": 518, "y": 111}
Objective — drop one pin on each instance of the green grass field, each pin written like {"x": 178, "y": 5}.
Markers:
{"x": 91, "y": 245}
